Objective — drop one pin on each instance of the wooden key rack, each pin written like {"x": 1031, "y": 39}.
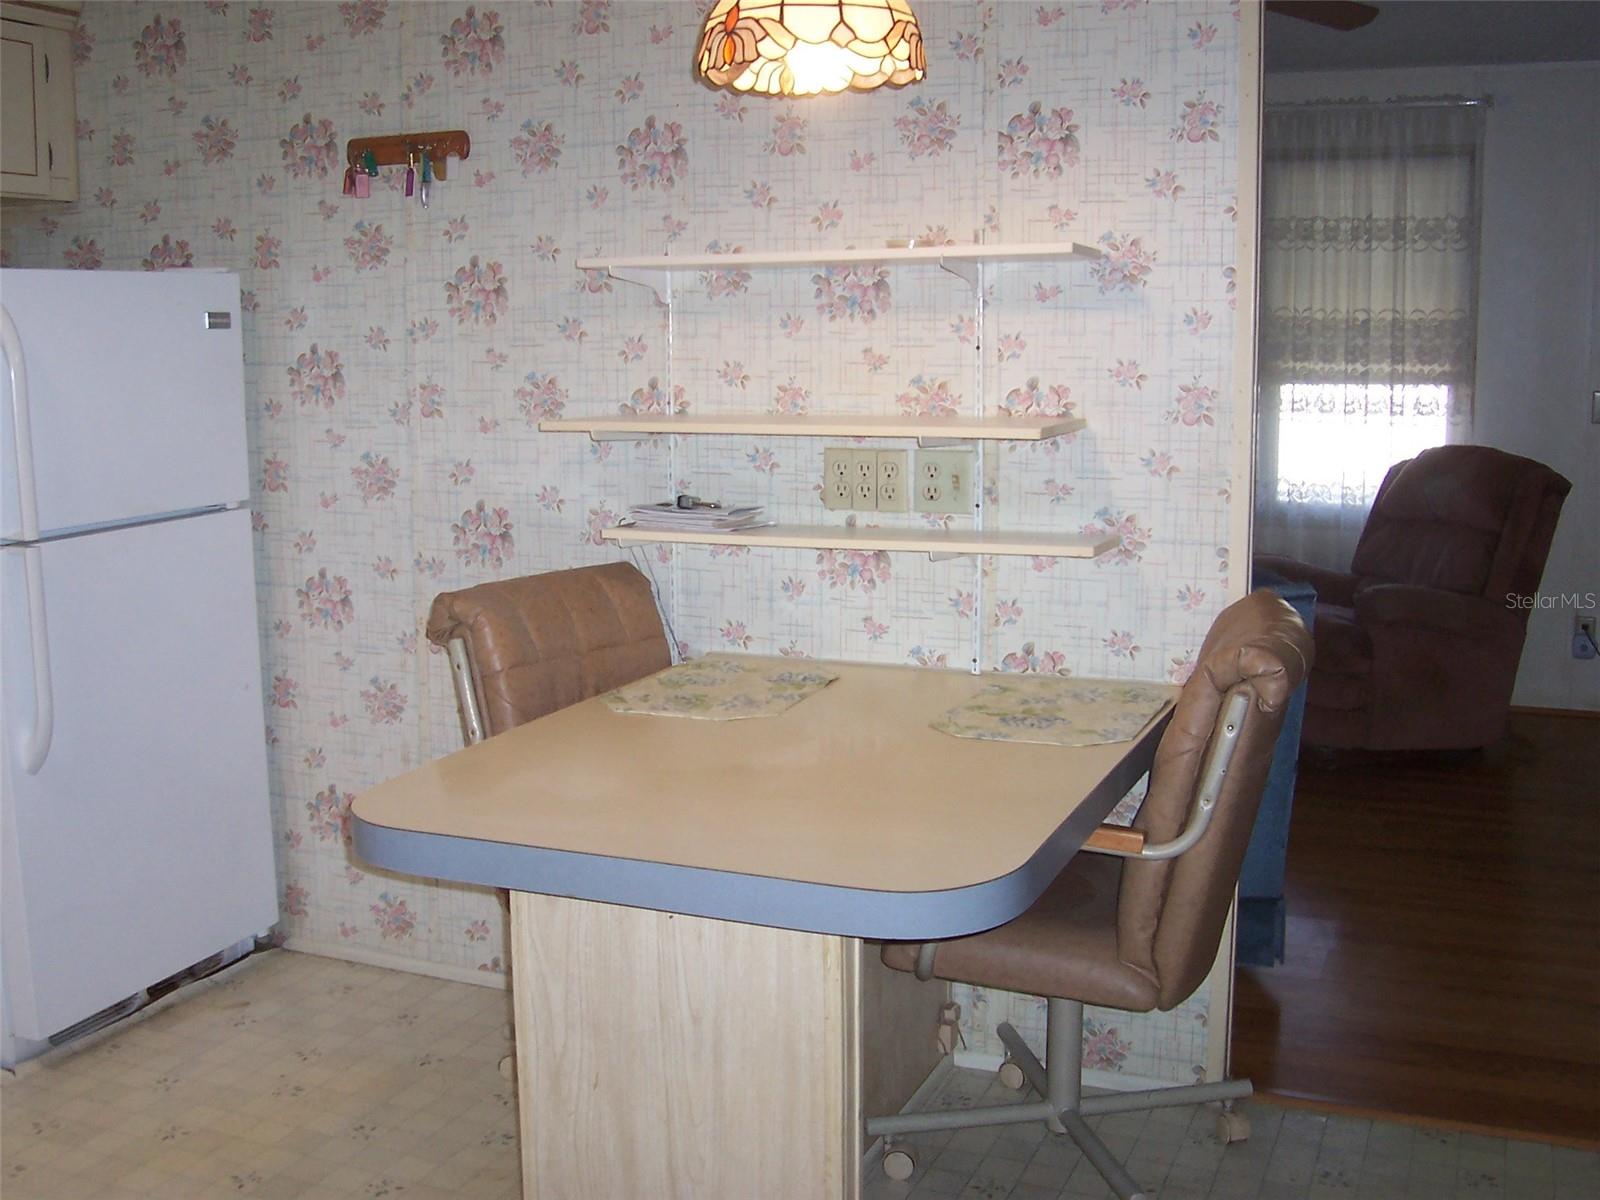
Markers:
{"x": 397, "y": 149}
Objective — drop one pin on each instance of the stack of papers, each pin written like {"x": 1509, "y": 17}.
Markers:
{"x": 703, "y": 518}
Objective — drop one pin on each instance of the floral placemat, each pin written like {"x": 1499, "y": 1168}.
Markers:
{"x": 720, "y": 687}
{"x": 1056, "y": 712}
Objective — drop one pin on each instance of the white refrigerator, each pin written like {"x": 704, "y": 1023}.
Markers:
{"x": 135, "y": 832}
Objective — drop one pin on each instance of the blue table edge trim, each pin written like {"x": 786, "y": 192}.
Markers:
{"x": 756, "y": 899}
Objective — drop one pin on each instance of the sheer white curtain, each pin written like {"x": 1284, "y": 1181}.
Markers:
{"x": 1369, "y": 266}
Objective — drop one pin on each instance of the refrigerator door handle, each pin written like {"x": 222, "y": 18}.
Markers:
{"x": 21, "y": 427}
{"x": 36, "y": 746}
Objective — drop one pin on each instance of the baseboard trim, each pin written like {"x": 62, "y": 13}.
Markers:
{"x": 1532, "y": 710}
{"x": 398, "y": 962}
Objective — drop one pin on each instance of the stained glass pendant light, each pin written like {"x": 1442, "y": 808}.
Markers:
{"x": 802, "y": 47}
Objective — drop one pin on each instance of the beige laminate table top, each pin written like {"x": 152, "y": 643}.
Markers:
{"x": 847, "y": 813}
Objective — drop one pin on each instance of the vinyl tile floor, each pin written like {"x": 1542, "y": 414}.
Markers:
{"x": 289, "y": 1077}
{"x": 293, "y": 1077}
{"x": 1175, "y": 1154}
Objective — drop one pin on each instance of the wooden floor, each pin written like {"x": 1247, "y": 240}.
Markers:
{"x": 1444, "y": 939}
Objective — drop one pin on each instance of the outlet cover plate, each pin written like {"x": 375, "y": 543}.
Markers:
{"x": 942, "y": 482}
{"x": 1584, "y": 645}
{"x": 837, "y": 490}
{"x": 864, "y": 480}
{"x": 893, "y": 485}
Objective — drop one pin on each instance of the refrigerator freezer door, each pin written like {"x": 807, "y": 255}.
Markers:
{"x": 144, "y": 842}
{"x": 137, "y": 406}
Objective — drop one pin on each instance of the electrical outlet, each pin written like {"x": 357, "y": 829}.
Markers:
{"x": 1583, "y": 637}
{"x": 838, "y": 489}
{"x": 892, "y": 495}
{"x": 943, "y": 482}
{"x": 864, "y": 480}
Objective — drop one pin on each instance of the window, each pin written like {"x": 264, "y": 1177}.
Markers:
{"x": 1336, "y": 441}
{"x": 1369, "y": 268}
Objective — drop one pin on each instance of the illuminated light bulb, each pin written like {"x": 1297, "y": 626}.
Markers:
{"x": 803, "y": 47}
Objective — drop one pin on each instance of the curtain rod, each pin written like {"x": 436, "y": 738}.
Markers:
{"x": 1392, "y": 102}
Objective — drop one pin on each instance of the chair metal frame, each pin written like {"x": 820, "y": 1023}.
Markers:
{"x": 469, "y": 709}
{"x": 1059, "y": 1080}
{"x": 469, "y": 705}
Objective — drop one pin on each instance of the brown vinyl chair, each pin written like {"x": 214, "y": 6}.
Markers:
{"x": 1418, "y": 644}
{"x": 522, "y": 648}
{"x": 1135, "y": 929}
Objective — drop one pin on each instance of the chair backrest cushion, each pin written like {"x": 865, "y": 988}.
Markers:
{"x": 1467, "y": 519}
{"x": 542, "y": 642}
{"x": 1170, "y": 913}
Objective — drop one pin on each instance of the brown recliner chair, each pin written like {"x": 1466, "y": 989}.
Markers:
{"x": 1139, "y": 934}
{"x": 1418, "y": 645}
{"x": 522, "y": 648}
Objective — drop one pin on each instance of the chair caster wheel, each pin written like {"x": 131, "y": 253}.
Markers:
{"x": 1232, "y": 1126}
{"x": 898, "y": 1165}
{"x": 1011, "y": 1075}
{"x": 508, "y": 1067}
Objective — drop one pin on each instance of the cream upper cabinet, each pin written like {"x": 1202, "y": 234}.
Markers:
{"x": 24, "y": 144}
{"x": 38, "y": 108}
{"x": 60, "y": 115}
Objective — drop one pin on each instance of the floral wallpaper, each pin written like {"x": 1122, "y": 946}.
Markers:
{"x": 399, "y": 358}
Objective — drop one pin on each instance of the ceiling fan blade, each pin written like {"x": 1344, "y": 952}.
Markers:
{"x": 1343, "y": 15}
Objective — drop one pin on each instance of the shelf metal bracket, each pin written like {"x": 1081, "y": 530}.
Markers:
{"x": 620, "y": 435}
{"x": 966, "y": 268}
{"x": 947, "y": 555}
{"x": 954, "y": 443}
{"x": 656, "y": 279}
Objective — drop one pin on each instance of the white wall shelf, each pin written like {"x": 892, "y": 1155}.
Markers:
{"x": 966, "y": 262}
{"x": 936, "y": 543}
{"x": 654, "y": 271}
{"x": 925, "y": 429}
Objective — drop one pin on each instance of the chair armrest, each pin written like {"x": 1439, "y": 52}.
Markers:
{"x": 1115, "y": 839}
{"x": 1333, "y": 587}
{"x": 1132, "y": 843}
{"x": 1432, "y": 609}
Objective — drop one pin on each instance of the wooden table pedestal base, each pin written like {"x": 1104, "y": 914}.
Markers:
{"x": 678, "y": 1057}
